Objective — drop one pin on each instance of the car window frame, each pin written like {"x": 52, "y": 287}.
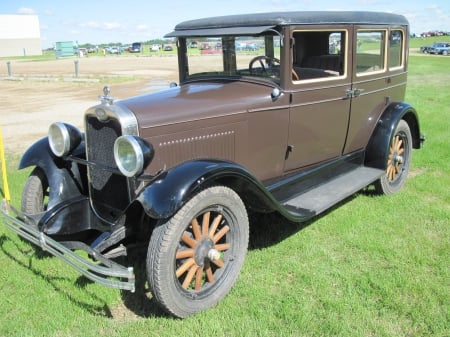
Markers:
{"x": 346, "y": 29}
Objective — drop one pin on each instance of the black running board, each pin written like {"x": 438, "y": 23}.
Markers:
{"x": 322, "y": 197}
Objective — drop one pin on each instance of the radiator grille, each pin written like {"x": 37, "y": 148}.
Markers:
{"x": 109, "y": 191}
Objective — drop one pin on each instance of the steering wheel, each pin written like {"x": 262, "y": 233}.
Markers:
{"x": 269, "y": 71}
{"x": 271, "y": 61}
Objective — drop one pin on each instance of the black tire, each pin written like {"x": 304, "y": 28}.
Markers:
{"x": 195, "y": 257}
{"x": 398, "y": 161}
{"x": 35, "y": 193}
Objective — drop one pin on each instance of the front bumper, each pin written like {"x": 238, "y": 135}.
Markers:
{"x": 100, "y": 269}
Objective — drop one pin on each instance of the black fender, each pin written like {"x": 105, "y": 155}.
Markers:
{"x": 63, "y": 176}
{"x": 172, "y": 189}
{"x": 377, "y": 150}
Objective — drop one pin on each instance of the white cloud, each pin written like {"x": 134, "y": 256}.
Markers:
{"x": 26, "y": 10}
{"x": 90, "y": 24}
{"x": 111, "y": 25}
{"x": 141, "y": 27}
{"x": 101, "y": 25}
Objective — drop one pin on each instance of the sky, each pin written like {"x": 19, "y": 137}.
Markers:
{"x": 100, "y": 21}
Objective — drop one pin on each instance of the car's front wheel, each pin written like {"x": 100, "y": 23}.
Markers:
{"x": 35, "y": 192}
{"x": 398, "y": 160}
{"x": 195, "y": 257}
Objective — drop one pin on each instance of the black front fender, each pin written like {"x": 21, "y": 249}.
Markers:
{"x": 167, "y": 194}
{"x": 64, "y": 178}
{"x": 378, "y": 148}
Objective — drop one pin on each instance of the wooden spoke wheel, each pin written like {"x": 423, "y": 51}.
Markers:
{"x": 398, "y": 160}
{"x": 194, "y": 258}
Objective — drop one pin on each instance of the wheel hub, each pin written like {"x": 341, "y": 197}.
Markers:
{"x": 398, "y": 159}
{"x": 204, "y": 252}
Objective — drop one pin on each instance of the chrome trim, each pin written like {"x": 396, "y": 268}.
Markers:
{"x": 97, "y": 272}
{"x": 121, "y": 113}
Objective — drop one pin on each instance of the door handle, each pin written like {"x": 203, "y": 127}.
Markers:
{"x": 349, "y": 93}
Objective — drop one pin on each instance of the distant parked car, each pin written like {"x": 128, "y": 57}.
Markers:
{"x": 426, "y": 49}
{"x": 440, "y": 48}
{"x": 168, "y": 47}
{"x": 193, "y": 44}
{"x": 136, "y": 47}
{"x": 155, "y": 47}
{"x": 113, "y": 50}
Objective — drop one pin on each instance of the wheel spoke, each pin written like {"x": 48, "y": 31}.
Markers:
{"x": 189, "y": 240}
{"x": 221, "y": 247}
{"x": 399, "y": 143}
{"x": 184, "y": 254}
{"x": 185, "y": 266}
{"x": 196, "y": 229}
{"x": 199, "y": 278}
{"x": 209, "y": 274}
{"x": 389, "y": 173}
{"x": 221, "y": 233}
{"x": 219, "y": 263}
{"x": 205, "y": 223}
{"x": 189, "y": 277}
{"x": 214, "y": 225}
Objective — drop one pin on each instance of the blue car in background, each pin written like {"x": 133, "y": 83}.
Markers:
{"x": 441, "y": 48}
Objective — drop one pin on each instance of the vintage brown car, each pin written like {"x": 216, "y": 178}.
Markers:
{"x": 309, "y": 115}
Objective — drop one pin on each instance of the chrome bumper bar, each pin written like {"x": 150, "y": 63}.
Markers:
{"x": 98, "y": 271}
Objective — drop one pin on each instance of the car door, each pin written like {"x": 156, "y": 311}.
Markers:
{"x": 379, "y": 78}
{"x": 319, "y": 103}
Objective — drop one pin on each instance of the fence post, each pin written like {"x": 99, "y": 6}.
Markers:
{"x": 76, "y": 68}
{"x": 8, "y": 65}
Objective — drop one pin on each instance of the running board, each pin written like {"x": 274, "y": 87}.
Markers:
{"x": 319, "y": 199}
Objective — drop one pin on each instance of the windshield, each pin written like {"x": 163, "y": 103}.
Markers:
{"x": 231, "y": 56}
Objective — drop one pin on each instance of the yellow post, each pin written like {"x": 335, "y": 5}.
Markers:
{"x": 4, "y": 176}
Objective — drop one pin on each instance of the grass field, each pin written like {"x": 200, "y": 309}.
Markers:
{"x": 374, "y": 266}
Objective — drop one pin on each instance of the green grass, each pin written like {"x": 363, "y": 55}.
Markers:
{"x": 373, "y": 266}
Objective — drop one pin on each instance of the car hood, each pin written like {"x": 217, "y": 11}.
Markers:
{"x": 198, "y": 100}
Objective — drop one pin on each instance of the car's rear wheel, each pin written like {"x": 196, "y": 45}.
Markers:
{"x": 195, "y": 257}
{"x": 398, "y": 161}
{"x": 35, "y": 192}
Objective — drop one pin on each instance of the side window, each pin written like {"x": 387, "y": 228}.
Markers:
{"x": 318, "y": 55}
{"x": 395, "y": 48}
{"x": 370, "y": 55}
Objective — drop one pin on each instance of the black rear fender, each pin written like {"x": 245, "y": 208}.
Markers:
{"x": 378, "y": 148}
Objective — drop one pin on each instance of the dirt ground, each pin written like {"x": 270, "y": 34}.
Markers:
{"x": 41, "y": 92}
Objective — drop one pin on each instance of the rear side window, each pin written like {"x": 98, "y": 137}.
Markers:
{"x": 370, "y": 52}
{"x": 395, "y": 50}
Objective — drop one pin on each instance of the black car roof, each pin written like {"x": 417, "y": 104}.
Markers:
{"x": 259, "y": 22}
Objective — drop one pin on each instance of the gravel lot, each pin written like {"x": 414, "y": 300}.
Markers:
{"x": 41, "y": 92}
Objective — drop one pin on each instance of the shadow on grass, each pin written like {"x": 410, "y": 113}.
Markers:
{"x": 24, "y": 258}
{"x": 265, "y": 230}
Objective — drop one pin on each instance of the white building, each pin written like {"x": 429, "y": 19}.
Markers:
{"x": 19, "y": 35}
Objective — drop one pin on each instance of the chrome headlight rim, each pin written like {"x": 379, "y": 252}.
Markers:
{"x": 63, "y": 138}
{"x": 132, "y": 155}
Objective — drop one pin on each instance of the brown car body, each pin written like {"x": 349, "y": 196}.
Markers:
{"x": 287, "y": 112}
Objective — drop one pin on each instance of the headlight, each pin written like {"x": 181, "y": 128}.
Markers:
{"x": 132, "y": 155}
{"x": 63, "y": 138}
